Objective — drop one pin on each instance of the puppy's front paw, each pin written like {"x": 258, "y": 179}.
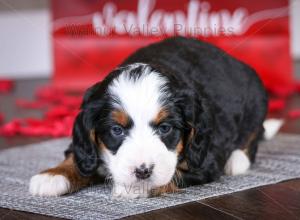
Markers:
{"x": 49, "y": 185}
{"x": 129, "y": 191}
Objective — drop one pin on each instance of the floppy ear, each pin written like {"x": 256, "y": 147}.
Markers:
{"x": 83, "y": 146}
{"x": 199, "y": 153}
{"x": 201, "y": 127}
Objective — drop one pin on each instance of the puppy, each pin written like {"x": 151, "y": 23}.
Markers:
{"x": 176, "y": 113}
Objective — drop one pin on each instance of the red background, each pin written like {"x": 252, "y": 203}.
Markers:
{"x": 82, "y": 59}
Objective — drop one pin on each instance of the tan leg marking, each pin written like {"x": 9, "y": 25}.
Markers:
{"x": 68, "y": 169}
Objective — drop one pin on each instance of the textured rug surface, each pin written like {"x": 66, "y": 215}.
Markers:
{"x": 278, "y": 160}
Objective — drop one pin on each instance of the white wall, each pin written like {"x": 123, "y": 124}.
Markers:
{"x": 25, "y": 42}
{"x": 295, "y": 28}
{"x": 25, "y": 45}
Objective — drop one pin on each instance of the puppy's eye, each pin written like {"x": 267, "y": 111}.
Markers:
{"x": 165, "y": 128}
{"x": 117, "y": 130}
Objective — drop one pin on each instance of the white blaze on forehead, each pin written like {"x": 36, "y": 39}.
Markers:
{"x": 139, "y": 97}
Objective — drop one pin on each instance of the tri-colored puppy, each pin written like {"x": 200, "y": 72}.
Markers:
{"x": 176, "y": 113}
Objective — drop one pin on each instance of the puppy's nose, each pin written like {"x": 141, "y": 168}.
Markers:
{"x": 143, "y": 172}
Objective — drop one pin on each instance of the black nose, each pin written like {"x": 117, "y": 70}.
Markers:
{"x": 143, "y": 172}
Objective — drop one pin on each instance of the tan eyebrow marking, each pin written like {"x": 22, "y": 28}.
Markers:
{"x": 120, "y": 117}
{"x": 162, "y": 114}
{"x": 68, "y": 169}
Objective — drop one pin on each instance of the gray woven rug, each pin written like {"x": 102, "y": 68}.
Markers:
{"x": 278, "y": 160}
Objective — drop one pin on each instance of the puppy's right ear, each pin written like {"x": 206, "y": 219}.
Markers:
{"x": 83, "y": 146}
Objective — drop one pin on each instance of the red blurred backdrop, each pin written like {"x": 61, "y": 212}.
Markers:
{"x": 91, "y": 38}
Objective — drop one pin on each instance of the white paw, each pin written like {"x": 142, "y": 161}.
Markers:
{"x": 238, "y": 163}
{"x": 272, "y": 127}
{"x": 130, "y": 191}
{"x": 49, "y": 185}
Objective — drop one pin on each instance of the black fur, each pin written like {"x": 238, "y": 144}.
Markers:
{"x": 216, "y": 97}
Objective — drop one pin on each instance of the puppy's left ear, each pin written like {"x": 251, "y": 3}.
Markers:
{"x": 198, "y": 153}
{"x": 84, "y": 147}
{"x": 199, "y": 139}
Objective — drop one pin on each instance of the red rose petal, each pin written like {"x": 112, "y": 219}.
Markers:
{"x": 48, "y": 94}
{"x": 72, "y": 102}
{"x": 276, "y": 104}
{"x": 294, "y": 114}
{"x": 57, "y": 112}
{"x": 11, "y": 128}
{"x": 6, "y": 85}
{"x": 283, "y": 91}
{"x": 57, "y": 121}
{"x": 31, "y": 104}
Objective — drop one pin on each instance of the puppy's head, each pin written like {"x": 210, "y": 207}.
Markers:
{"x": 134, "y": 125}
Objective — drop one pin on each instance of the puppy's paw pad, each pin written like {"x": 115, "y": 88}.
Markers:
{"x": 238, "y": 163}
{"x": 49, "y": 185}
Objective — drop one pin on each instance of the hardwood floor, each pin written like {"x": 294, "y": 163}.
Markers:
{"x": 278, "y": 201}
